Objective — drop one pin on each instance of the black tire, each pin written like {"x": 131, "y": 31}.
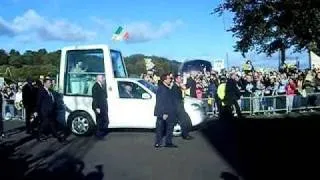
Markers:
{"x": 72, "y": 124}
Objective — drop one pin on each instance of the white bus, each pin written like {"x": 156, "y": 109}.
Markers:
{"x": 79, "y": 67}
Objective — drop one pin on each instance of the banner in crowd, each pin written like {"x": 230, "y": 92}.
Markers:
{"x": 218, "y": 64}
{"x": 149, "y": 64}
{"x": 315, "y": 60}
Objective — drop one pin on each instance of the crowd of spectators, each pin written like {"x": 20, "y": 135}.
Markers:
{"x": 12, "y": 106}
{"x": 262, "y": 91}
{"x": 12, "y": 100}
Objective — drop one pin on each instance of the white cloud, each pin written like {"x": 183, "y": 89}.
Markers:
{"x": 142, "y": 31}
{"x": 5, "y": 28}
{"x": 45, "y": 29}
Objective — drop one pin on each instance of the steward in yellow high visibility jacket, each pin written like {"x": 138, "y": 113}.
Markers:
{"x": 221, "y": 93}
{"x": 224, "y": 107}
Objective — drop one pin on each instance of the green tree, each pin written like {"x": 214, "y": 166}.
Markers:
{"x": 27, "y": 57}
{"x": 36, "y": 63}
{"x": 3, "y": 57}
{"x": 42, "y": 52}
{"x": 55, "y": 58}
{"x": 15, "y": 58}
{"x": 135, "y": 64}
{"x": 162, "y": 65}
{"x": 39, "y": 57}
{"x": 14, "y": 52}
{"x": 268, "y": 26}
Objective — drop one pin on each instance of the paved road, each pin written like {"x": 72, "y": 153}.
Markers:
{"x": 122, "y": 155}
{"x": 278, "y": 147}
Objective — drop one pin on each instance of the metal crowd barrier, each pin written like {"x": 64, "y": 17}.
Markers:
{"x": 12, "y": 112}
{"x": 255, "y": 105}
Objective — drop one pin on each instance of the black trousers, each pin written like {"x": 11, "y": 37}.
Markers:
{"x": 226, "y": 113}
{"x": 102, "y": 122}
{"x": 47, "y": 125}
{"x": 237, "y": 107}
{"x": 1, "y": 124}
{"x": 164, "y": 128}
{"x": 28, "y": 119}
{"x": 183, "y": 120}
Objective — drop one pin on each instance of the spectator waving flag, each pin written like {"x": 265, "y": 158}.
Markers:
{"x": 120, "y": 34}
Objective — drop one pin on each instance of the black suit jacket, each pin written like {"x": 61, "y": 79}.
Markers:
{"x": 165, "y": 102}
{"x": 99, "y": 97}
{"x": 60, "y": 108}
{"x": 192, "y": 84}
{"x": 232, "y": 91}
{"x": 177, "y": 94}
{"x": 1, "y": 103}
{"x": 45, "y": 103}
{"x": 28, "y": 96}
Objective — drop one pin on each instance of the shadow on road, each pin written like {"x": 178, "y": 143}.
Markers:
{"x": 274, "y": 148}
{"x": 15, "y": 131}
{"x": 228, "y": 176}
{"x": 54, "y": 161}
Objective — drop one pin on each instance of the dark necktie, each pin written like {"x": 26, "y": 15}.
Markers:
{"x": 50, "y": 94}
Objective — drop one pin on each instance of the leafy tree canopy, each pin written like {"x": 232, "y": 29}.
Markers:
{"x": 267, "y": 26}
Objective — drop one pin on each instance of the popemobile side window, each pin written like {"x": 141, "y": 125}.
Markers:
{"x": 130, "y": 90}
{"x": 83, "y": 66}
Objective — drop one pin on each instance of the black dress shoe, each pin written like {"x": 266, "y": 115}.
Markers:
{"x": 42, "y": 139}
{"x": 61, "y": 139}
{"x": 2, "y": 136}
{"x": 187, "y": 137}
{"x": 171, "y": 146}
{"x": 157, "y": 145}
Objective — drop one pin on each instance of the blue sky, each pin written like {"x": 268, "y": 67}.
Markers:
{"x": 174, "y": 29}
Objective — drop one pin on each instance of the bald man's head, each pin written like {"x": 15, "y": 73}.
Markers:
{"x": 100, "y": 78}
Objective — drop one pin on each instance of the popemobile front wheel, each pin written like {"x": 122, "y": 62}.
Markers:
{"x": 81, "y": 123}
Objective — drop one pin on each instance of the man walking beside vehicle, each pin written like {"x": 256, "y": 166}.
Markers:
{"x": 29, "y": 102}
{"x": 182, "y": 116}
{"x": 2, "y": 136}
{"x": 46, "y": 112}
{"x": 100, "y": 106}
{"x": 165, "y": 111}
{"x": 233, "y": 93}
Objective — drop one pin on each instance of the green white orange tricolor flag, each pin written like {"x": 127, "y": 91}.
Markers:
{"x": 120, "y": 34}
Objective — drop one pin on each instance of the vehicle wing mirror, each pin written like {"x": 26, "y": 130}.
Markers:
{"x": 146, "y": 96}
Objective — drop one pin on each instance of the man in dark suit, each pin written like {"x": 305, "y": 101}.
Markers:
{"x": 46, "y": 112}
{"x": 165, "y": 111}
{"x": 1, "y": 118}
{"x": 60, "y": 112}
{"x": 29, "y": 102}
{"x": 182, "y": 116}
{"x": 233, "y": 93}
{"x": 100, "y": 106}
{"x": 192, "y": 84}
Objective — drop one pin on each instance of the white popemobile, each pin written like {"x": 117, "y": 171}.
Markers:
{"x": 80, "y": 65}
